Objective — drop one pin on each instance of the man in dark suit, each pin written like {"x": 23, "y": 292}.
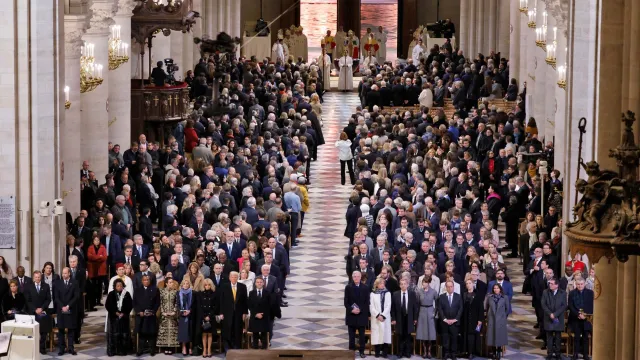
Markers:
{"x": 67, "y": 299}
{"x": 114, "y": 246}
{"x": 233, "y": 311}
{"x": 145, "y": 227}
{"x": 260, "y": 303}
{"x": 80, "y": 230}
{"x": 280, "y": 258}
{"x": 493, "y": 266}
{"x": 218, "y": 277}
{"x": 78, "y": 251}
{"x": 79, "y": 277}
{"x": 200, "y": 227}
{"x": 233, "y": 249}
{"x": 228, "y": 265}
{"x": 404, "y": 315}
{"x": 22, "y": 280}
{"x": 449, "y": 309}
{"x": 479, "y": 285}
{"x": 175, "y": 268}
{"x": 130, "y": 258}
{"x": 141, "y": 250}
{"x": 580, "y": 305}
{"x": 146, "y": 301}
{"x": 554, "y": 305}
{"x": 271, "y": 285}
{"x": 38, "y": 297}
{"x": 534, "y": 283}
{"x": 366, "y": 273}
{"x": 373, "y": 98}
{"x": 144, "y": 271}
{"x": 356, "y": 304}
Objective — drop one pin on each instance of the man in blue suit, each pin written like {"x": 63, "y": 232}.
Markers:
{"x": 114, "y": 246}
{"x": 233, "y": 247}
{"x": 507, "y": 288}
{"x": 250, "y": 210}
{"x": 140, "y": 248}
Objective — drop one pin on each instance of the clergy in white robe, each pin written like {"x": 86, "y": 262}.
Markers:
{"x": 365, "y": 40}
{"x": 277, "y": 52}
{"x": 326, "y": 70}
{"x": 381, "y": 38}
{"x": 345, "y": 80}
{"x": 302, "y": 45}
{"x": 418, "y": 50}
{"x": 367, "y": 62}
{"x": 353, "y": 45}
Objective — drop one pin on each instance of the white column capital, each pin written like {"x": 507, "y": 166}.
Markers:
{"x": 559, "y": 10}
{"x": 102, "y": 12}
{"x": 74, "y": 28}
{"x": 125, "y": 7}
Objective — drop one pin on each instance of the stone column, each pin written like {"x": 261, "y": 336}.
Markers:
{"x": 463, "y": 31}
{"x": 514, "y": 41}
{"x": 561, "y": 146}
{"x": 473, "y": 26}
{"x": 70, "y": 151}
{"x": 95, "y": 117}
{"x": 504, "y": 15}
{"x": 481, "y": 15}
{"x": 196, "y": 31}
{"x": 32, "y": 107}
{"x": 540, "y": 74}
{"x": 493, "y": 25}
{"x": 120, "y": 83}
{"x": 626, "y": 333}
{"x": 221, "y": 15}
{"x": 605, "y": 317}
{"x": 236, "y": 27}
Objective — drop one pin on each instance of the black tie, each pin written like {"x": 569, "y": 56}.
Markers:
{"x": 66, "y": 283}
{"x": 259, "y": 293}
{"x": 404, "y": 303}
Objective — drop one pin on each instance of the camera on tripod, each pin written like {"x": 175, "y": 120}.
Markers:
{"x": 171, "y": 70}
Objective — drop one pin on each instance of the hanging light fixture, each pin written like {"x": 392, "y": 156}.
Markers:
{"x": 90, "y": 72}
{"x": 532, "y": 18}
{"x": 551, "y": 50}
{"x": 118, "y": 50}
{"x": 524, "y": 6}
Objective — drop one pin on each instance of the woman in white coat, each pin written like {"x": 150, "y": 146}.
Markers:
{"x": 345, "y": 80}
{"x": 426, "y": 96}
{"x": 346, "y": 156}
{"x": 380, "y": 310}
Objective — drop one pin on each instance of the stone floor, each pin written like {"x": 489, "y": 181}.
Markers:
{"x": 315, "y": 316}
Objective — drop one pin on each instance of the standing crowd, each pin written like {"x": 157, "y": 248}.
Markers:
{"x": 425, "y": 259}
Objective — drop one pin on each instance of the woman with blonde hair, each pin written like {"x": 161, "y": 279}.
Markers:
{"x": 380, "y": 310}
{"x": 205, "y": 315}
{"x": 195, "y": 277}
{"x": 244, "y": 279}
{"x": 185, "y": 303}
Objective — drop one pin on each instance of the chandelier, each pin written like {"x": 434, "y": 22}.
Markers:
{"x": 531, "y": 14}
{"x": 562, "y": 77}
{"x": 551, "y": 50}
{"x": 524, "y": 6}
{"x": 118, "y": 50}
{"x": 90, "y": 72}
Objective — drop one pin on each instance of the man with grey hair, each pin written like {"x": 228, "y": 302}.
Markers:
{"x": 250, "y": 210}
{"x": 119, "y": 208}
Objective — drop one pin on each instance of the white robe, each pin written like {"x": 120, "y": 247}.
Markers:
{"x": 290, "y": 44}
{"x": 426, "y": 98}
{"x": 367, "y": 62}
{"x": 412, "y": 45}
{"x": 381, "y": 38}
{"x": 326, "y": 71}
{"x": 415, "y": 54}
{"x": 365, "y": 39}
{"x": 302, "y": 47}
{"x": 380, "y": 331}
{"x": 345, "y": 81}
{"x": 277, "y": 53}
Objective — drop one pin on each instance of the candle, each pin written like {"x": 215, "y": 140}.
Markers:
{"x": 66, "y": 93}
{"x": 544, "y": 18}
{"x": 555, "y": 31}
{"x": 99, "y": 70}
{"x": 126, "y": 49}
{"x": 562, "y": 72}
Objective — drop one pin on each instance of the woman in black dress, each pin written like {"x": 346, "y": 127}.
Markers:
{"x": 472, "y": 317}
{"x": 119, "y": 305}
{"x": 13, "y": 302}
{"x": 205, "y": 315}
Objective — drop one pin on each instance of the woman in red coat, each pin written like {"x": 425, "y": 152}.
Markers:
{"x": 97, "y": 269}
{"x": 190, "y": 137}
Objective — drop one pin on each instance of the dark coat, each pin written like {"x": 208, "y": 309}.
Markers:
{"x": 40, "y": 300}
{"x": 148, "y": 299}
{"x": 577, "y": 302}
{"x": 473, "y": 312}
{"x": 145, "y": 228}
{"x": 206, "y": 305}
{"x": 413, "y": 308}
{"x": 260, "y": 305}
{"x": 556, "y": 305}
{"x": 359, "y": 297}
{"x": 232, "y": 310}
{"x": 17, "y": 304}
{"x": 64, "y": 295}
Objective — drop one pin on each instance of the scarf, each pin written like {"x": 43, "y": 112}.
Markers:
{"x": 185, "y": 299}
{"x": 496, "y": 298}
{"x": 382, "y": 293}
{"x": 120, "y": 300}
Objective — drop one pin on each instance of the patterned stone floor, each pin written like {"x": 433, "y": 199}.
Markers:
{"x": 315, "y": 316}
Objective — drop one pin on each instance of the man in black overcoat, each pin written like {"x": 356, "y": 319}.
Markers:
{"x": 79, "y": 276}
{"x": 38, "y": 297}
{"x": 580, "y": 305}
{"x": 146, "y": 301}
{"x": 261, "y": 303}
{"x": 356, "y": 303}
{"x": 66, "y": 295}
{"x": 449, "y": 307}
{"x": 404, "y": 315}
{"x": 233, "y": 311}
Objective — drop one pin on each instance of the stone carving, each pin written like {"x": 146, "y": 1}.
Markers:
{"x": 559, "y": 9}
{"x": 101, "y": 13}
{"x": 125, "y": 7}
{"x": 73, "y": 41}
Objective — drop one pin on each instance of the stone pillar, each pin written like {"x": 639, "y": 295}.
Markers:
{"x": 540, "y": 73}
{"x": 463, "y": 31}
{"x": 493, "y": 25}
{"x": 120, "y": 84}
{"x": 236, "y": 27}
{"x": 196, "y": 31}
{"x": 209, "y": 17}
{"x": 561, "y": 146}
{"x": 514, "y": 40}
{"x": 627, "y": 297}
{"x": 70, "y": 151}
{"x": 524, "y": 50}
{"x": 221, "y": 14}
{"x": 473, "y": 27}
{"x": 504, "y": 15}
{"x": 604, "y": 311}
{"x": 32, "y": 107}
{"x": 481, "y": 14}
{"x": 95, "y": 116}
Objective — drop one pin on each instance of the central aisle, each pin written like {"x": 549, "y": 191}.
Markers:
{"x": 315, "y": 316}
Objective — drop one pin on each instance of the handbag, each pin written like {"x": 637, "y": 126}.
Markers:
{"x": 206, "y": 325}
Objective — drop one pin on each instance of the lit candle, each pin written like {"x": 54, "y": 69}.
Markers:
{"x": 544, "y": 18}
{"x": 126, "y": 49}
{"x": 562, "y": 73}
{"x": 99, "y": 71}
{"x": 66, "y": 94}
{"x": 555, "y": 32}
